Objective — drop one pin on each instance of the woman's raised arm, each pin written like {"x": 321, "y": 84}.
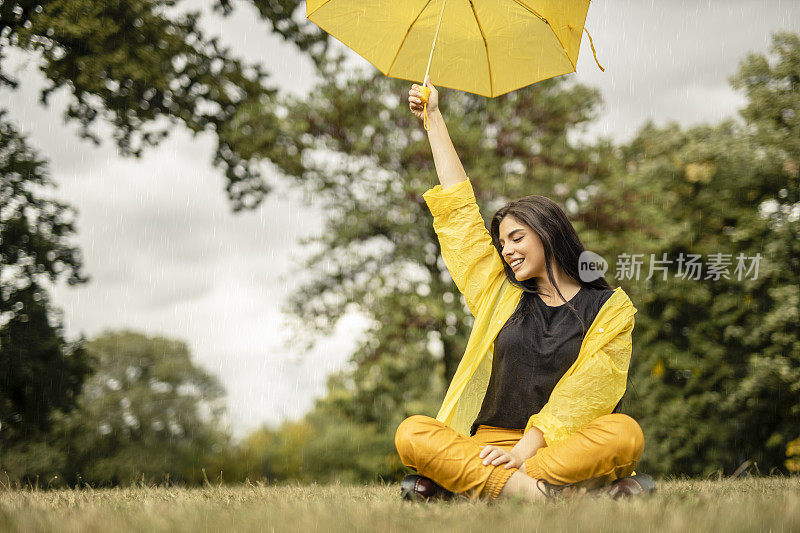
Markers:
{"x": 466, "y": 246}
{"x": 448, "y": 165}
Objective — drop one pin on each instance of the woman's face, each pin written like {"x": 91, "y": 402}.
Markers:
{"x": 519, "y": 241}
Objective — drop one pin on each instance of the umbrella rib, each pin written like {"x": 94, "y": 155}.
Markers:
{"x": 408, "y": 31}
{"x": 319, "y": 6}
{"x": 534, "y": 13}
{"x": 485, "y": 46}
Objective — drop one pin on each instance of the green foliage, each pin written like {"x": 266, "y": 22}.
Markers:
{"x": 147, "y": 412}
{"x": 717, "y": 360}
{"x": 40, "y": 371}
{"x": 793, "y": 455}
{"x": 287, "y": 19}
{"x": 324, "y": 447}
{"x": 139, "y": 66}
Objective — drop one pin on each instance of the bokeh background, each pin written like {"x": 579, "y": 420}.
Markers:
{"x": 216, "y": 261}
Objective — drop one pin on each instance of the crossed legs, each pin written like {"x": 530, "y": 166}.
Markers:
{"x": 606, "y": 449}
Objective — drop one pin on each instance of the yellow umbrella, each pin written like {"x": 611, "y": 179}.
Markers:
{"x": 486, "y": 47}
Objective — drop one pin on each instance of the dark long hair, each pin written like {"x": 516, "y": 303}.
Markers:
{"x": 559, "y": 240}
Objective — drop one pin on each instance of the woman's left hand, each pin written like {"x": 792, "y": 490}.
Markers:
{"x": 492, "y": 455}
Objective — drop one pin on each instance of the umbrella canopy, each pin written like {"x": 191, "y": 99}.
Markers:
{"x": 486, "y": 47}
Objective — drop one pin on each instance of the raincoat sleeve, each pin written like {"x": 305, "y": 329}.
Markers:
{"x": 589, "y": 389}
{"x": 466, "y": 245}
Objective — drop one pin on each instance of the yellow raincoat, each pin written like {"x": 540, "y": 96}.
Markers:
{"x": 590, "y": 388}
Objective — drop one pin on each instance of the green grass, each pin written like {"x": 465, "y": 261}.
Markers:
{"x": 752, "y": 504}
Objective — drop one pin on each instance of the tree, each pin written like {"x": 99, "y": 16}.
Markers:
{"x": 137, "y": 67}
{"x": 40, "y": 372}
{"x": 147, "y": 411}
{"x": 287, "y": 19}
{"x": 140, "y": 67}
{"x": 717, "y": 359}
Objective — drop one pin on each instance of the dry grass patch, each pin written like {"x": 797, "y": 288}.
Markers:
{"x": 754, "y": 504}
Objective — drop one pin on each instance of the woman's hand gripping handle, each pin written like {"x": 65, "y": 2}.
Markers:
{"x": 423, "y": 100}
{"x": 445, "y": 158}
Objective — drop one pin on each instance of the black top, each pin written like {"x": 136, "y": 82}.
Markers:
{"x": 531, "y": 354}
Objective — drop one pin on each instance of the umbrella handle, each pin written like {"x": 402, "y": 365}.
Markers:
{"x": 424, "y": 93}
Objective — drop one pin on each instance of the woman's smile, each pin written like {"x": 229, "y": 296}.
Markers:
{"x": 521, "y": 248}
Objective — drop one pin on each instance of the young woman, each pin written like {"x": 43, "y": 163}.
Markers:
{"x": 531, "y": 407}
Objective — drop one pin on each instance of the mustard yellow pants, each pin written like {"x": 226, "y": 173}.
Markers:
{"x": 606, "y": 449}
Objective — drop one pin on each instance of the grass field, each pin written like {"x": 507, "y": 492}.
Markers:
{"x": 752, "y": 504}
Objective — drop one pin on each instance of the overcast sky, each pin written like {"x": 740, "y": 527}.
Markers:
{"x": 167, "y": 256}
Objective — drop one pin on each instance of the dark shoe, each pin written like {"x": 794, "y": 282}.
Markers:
{"x": 548, "y": 489}
{"x": 419, "y": 488}
{"x": 629, "y": 486}
{"x": 551, "y": 490}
